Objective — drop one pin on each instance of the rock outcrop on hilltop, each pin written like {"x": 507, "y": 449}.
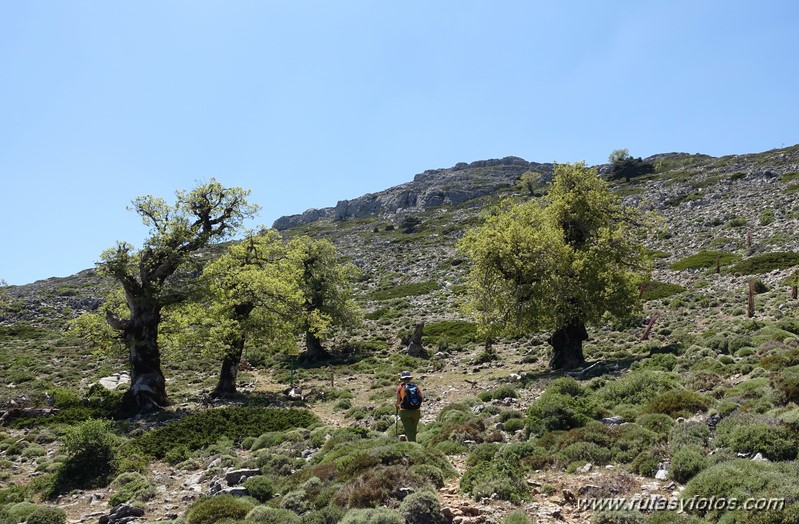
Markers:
{"x": 434, "y": 187}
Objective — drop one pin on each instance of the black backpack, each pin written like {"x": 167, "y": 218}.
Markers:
{"x": 412, "y": 398}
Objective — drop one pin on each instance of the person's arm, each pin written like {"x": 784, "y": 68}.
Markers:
{"x": 399, "y": 399}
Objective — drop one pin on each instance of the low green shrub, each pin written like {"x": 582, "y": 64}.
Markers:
{"x": 688, "y": 433}
{"x": 654, "y": 290}
{"x": 450, "y": 332}
{"x": 517, "y": 516}
{"x": 565, "y": 404}
{"x": 130, "y": 486}
{"x": 433, "y": 474}
{"x": 20, "y": 511}
{"x": 498, "y": 394}
{"x": 379, "y": 486}
{"x": 47, "y": 515}
{"x": 404, "y": 290}
{"x": 656, "y": 422}
{"x": 493, "y": 474}
{"x": 326, "y": 515}
{"x": 766, "y": 263}
{"x": 657, "y": 362}
{"x": 744, "y": 479}
{"x": 267, "y": 515}
{"x": 705, "y": 259}
{"x": 92, "y": 453}
{"x": 422, "y": 507}
{"x": 260, "y": 488}
{"x": 637, "y": 387}
{"x": 748, "y": 433}
{"x": 513, "y": 425}
{"x": 209, "y": 510}
{"x": 584, "y": 452}
{"x": 686, "y": 462}
{"x": 787, "y": 383}
{"x": 678, "y": 403}
{"x": 372, "y": 516}
{"x": 202, "y": 429}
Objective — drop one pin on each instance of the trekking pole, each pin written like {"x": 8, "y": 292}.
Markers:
{"x": 396, "y": 421}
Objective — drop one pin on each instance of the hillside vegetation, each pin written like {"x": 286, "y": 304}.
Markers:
{"x": 694, "y": 397}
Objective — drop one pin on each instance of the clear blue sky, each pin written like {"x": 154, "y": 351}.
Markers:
{"x": 306, "y": 103}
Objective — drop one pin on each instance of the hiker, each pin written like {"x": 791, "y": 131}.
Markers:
{"x": 409, "y": 400}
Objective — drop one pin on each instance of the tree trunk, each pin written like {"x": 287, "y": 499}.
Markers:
{"x": 415, "y": 348}
{"x": 147, "y": 384}
{"x": 226, "y": 386}
{"x": 313, "y": 349}
{"x": 567, "y": 346}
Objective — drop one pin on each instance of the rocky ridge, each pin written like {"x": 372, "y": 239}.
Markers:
{"x": 432, "y": 188}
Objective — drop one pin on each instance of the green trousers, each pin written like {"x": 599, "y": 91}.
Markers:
{"x": 410, "y": 419}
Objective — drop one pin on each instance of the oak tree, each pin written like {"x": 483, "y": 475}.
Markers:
{"x": 206, "y": 214}
{"x": 557, "y": 267}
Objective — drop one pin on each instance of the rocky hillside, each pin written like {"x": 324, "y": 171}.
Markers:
{"x": 710, "y": 396}
{"x": 433, "y": 188}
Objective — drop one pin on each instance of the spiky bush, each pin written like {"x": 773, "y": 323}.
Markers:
{"x": 209, "y": 510}
{"x": 422, "y": 507}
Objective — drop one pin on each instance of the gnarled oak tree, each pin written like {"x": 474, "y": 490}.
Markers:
{"x": 206, "y": 214}
{"x": 557, "y": 267}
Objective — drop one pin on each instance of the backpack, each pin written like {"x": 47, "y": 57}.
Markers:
{"x": 411, "y": 397}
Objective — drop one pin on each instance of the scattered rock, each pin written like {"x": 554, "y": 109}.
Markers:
{"x": 122, "y": 514}
{"x": 238, "y": 476}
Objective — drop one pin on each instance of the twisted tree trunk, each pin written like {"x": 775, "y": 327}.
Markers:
{"x": 226, "y": 386}
{"x": 567, "y": 346}
{"x": 313, "y": 349}
{"x": 147, "y": 384}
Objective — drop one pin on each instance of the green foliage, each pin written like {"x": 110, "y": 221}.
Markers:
{"x": 622, "y": 165}
{"x": 521, "y": 257}
{"x": 422, "y": 507}
{"x": 47, "y": 515}
{"x": 638, "y": 387}
{"x": 583, "y": 452}
{"x": 765, "y": 263}
{"x": 678, "y": 403}
{"x": 372, "y": 516}
{"x": 686, "y": 463}
{"x": 209, "y": 510}
{"x": 491, "y": 473}
{"x": 767, "y": 217}
{"x": 268, "y": 515}
{"x": 130, "y": 486}
{"x": 688, "y": 433}
{"x": 787, "y": 382}
{"x": 554, "y": 411}
{"x": 20, "y": 511}
{"x": 204, "y": 428}
{"x": 656, "y": 422}
{"x": 404, "y": 290}
{"x": 517, "y": 516}
{"x": 744, "y": 479}
{"x": 654, "y": 290}
{"x": 705, "y": 259}
{"x": 746, "y": 433}
{"x": 92, "y": 452}
{"x": 498, "y": 393}
{"x": 457, "y": 332}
